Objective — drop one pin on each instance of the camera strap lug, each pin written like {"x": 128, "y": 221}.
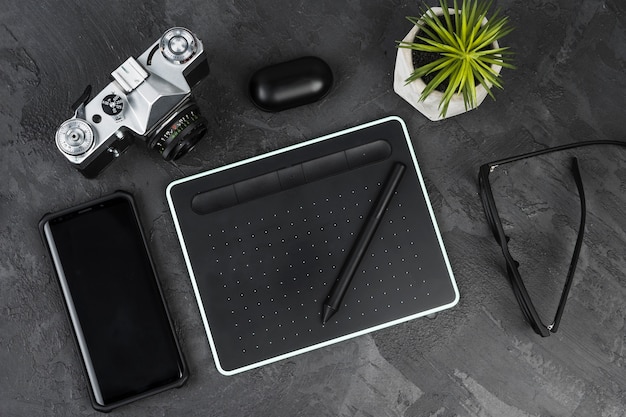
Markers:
{"x": 114, "y": 151}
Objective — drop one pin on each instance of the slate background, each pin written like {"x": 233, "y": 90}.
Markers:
{"x": 478, "y": 359}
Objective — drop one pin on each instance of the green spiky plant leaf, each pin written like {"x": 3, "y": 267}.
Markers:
{"x": 465, "y": 47}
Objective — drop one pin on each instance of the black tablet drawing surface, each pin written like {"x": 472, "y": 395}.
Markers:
{"x": 264, "y": 240}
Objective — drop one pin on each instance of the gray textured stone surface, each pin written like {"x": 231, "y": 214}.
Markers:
{"x": 478, "y": 359}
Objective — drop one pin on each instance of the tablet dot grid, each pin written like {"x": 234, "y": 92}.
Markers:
{"x": 270, "y": 263}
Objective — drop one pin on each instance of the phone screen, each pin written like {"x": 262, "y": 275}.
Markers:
{"x": 114, "y": 300}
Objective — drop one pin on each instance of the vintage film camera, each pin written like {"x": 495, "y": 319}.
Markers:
{"x": 149, "y": 98}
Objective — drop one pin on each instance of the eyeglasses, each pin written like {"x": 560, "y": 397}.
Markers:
{"x": 512, "y": 266}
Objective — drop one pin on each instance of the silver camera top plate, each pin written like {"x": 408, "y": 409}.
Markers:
{"x": 143, "y": 93}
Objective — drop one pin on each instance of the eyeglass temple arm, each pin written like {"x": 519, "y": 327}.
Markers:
{"x": 579, "y": 241}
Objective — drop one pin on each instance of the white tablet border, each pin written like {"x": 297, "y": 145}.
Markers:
{"x": 338, "y": 339}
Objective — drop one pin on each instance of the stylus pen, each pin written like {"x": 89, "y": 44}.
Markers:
{"x": 362, "y": 242}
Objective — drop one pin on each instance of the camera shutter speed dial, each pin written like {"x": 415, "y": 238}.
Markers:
{"x": 178, "y": 45}
{"x": 112, "y": 104}
{"x": 74, "y": 137}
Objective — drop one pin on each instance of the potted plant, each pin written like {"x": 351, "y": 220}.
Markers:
{"x": 449, "y": 61}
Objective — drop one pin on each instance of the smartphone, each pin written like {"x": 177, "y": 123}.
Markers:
{"x": 114, "y": 301}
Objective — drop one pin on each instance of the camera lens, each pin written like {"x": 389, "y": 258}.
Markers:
{"x": 180, "y": 133}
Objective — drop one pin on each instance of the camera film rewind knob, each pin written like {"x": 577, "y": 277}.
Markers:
{"x": 178, "y": 45}
{"x": 74, "y": 137}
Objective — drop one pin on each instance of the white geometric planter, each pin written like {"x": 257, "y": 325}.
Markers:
{"x": 411, "y": 92}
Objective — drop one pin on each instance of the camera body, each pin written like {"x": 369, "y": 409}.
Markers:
{"x": 149, "y": 98}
